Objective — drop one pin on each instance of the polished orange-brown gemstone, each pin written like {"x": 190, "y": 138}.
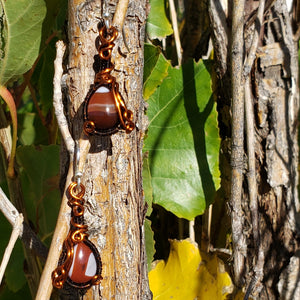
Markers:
{"x": 101, "y": 109}
{"x": 84, "y": 265}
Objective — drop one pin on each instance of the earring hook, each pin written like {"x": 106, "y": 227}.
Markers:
{"x": 77, "y": 173}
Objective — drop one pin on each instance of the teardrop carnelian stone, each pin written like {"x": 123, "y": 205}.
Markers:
{"x": 84, "y": 265}
{"x": 101, "y": 109}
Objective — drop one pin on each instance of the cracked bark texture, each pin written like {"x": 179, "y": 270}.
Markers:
{"x": 115, "y": 207}
{"x": 275, "y": 96}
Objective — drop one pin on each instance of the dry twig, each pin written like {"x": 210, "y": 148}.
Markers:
{"x": 237, "y": 142}
{"x": 120, "y": 13}
{"x": 176, "y": 31}
{"x": 57, "y": 98}
{"x": 251, "y": 152}
{"x": 220, "y": 31}
{"x": 17, "y": 231}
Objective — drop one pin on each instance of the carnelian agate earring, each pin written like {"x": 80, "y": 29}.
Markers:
{"x": 104, "y": 108}
{"x": 80, "y": 263}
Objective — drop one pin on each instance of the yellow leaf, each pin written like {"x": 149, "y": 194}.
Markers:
{"x": 189, "y": 274}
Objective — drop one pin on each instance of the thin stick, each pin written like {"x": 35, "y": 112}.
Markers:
{"x": 176, "y": 31}
{"x": 251, "y": 152}
{"x": 8, "y": 209}
{"x": 28, "y": 237}
{"x": 62, "y": 227}
{"x": 209, "y": 225}
{"x": 61, "y": 231}
{"x": 252, "y": 52}
{"x": 237, "y": 146}
{"x": 252, "y": 187}
{"x": 220, "y": 31}
{"x": 120, "y": 14}
{"x": 192, "y": 230}
{"x": 57, "y": 98}
{"x": 17, "y": 231}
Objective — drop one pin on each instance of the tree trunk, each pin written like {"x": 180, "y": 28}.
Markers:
{"x": 266, "y": 249}
{"x": 115, "y": 207}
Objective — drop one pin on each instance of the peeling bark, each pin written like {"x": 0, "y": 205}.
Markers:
{"x": 275, "y": 100}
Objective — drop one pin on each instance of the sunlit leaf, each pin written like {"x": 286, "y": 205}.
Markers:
{"x": 21, "y": 26}
{"x": 189, "y": 274}
{"x": 155, "y": 69}
{"x": 158, "y": 25}
{"x": 183, "y": 141}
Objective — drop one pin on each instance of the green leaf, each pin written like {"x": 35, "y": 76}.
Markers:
{"x": 23, "y": 294}
{"x": 147, "y": 186}
{"x": 31, "y": 130}
{"x": 158, "y": 25}
{"x": 183, "y": 141}
{"x": 21, "y": 26}
{"x": 55, "y": 18}
{"x": 149, "y": 240}
{"x": 155, "y": 69}
{"x": 40, "y": 176}
{"x": 14, "y": 274}
{"x": 45, "y": 80}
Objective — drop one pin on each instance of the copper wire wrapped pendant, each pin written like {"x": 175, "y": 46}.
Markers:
{"x": 105, "y": 111}
{"x": 80, "y": 263}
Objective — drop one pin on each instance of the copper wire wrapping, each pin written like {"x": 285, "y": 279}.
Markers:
{"x": 107, "y": 37}
{"x": 77, "y": 234}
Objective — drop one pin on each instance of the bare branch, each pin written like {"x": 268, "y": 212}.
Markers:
{"x": 237, "y": 142}
{"x": 61, "y": 231}
{"x": 57, "y": 98}
{"x": 252, "y": 52}
{"x": 8, "y": 209}
{"x": 176, "y": 31}
{"x": 62, "y": 227}
{"x": 252, "y": 186}
{"x": 28, "y": 237}
{"x": 120, "y": 14}
{"x": 220, "y": 32}
{"x": 17, "y": 229}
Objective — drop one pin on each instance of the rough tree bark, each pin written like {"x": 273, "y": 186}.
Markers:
{"x": 114, "y": 208}
{"x": 113, "y": 172}
{"x": 266, "y": 237}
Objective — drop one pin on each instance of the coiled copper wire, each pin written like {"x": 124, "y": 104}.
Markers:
{"x": 77, "y": 234}
{"x": 107, "y": 37}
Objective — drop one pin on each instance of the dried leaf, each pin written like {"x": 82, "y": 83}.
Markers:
{"x": 189, "y": 274}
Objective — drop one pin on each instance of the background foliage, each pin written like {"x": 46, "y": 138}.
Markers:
{"x": 181, "y": 174}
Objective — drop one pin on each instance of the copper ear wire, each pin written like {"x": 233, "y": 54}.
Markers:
{"x": 107, "y": 37}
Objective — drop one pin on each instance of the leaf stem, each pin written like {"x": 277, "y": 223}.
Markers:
{"x": 8, "y": 98}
